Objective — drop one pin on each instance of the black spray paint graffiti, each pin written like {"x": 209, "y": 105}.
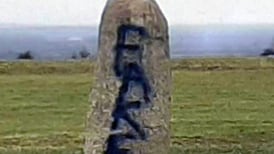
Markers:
{"x": 135, "y": 93}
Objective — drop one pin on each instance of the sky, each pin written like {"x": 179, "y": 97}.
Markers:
{"x": 178, "y": 12}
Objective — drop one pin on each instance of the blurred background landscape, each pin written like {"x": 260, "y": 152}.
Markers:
{"x": 46, "y": 43}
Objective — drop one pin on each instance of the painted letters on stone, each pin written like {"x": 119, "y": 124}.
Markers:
{"x": 135, "y": 93}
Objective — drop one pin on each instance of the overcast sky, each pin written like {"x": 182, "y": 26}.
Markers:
{"x": 87, "y": 12}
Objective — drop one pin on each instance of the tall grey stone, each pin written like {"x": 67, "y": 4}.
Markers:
{"x": 131, "y": 97}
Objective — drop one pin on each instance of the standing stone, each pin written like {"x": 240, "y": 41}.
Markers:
{"x": 130, "y": 100}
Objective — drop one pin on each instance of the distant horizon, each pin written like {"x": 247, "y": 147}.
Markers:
{"x": 58, "y": 42}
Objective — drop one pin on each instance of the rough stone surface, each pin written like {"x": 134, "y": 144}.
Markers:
{"x": 153, "y": 44}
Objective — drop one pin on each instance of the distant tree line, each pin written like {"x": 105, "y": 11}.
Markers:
{"x": 269, "y": 51}
{"x": 26, "y": 55}
{"x": 82, "y": 54}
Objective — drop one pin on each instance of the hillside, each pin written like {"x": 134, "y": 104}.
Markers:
{"x": 219, "y": 106}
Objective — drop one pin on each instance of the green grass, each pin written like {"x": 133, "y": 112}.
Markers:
{"x": 224, "y": 110}
{"x": 43, "y": 110}
{"x": 219, "y": 106}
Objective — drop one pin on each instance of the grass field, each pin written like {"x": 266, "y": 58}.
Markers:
{"x": 219, "y": 106}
